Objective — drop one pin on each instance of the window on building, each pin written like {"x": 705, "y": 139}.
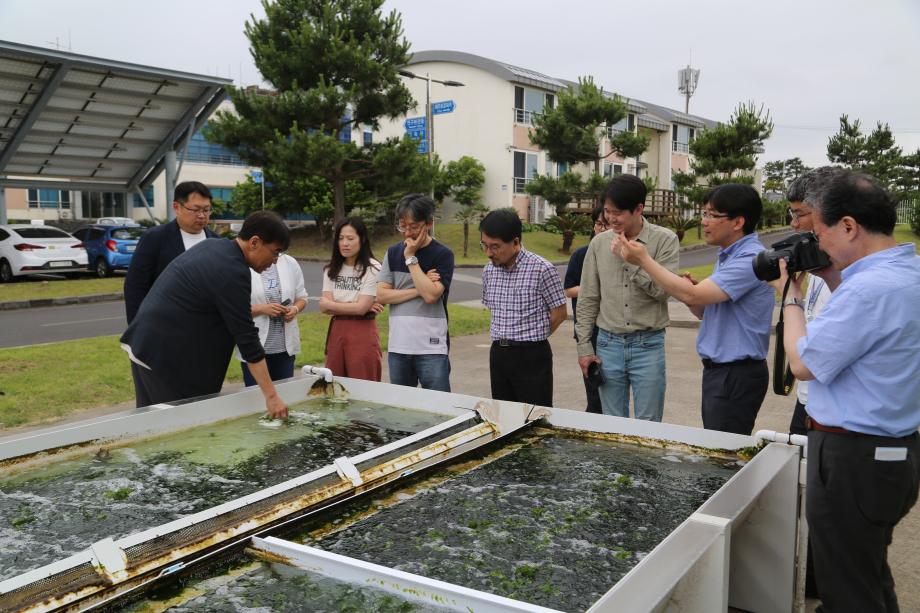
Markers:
{"x": 561, "y": 169}
{"x": 529, "y": 102}
{"x": 628, "y": 123}
{"x": 203, "y": 152}
{"x": 48, "y": 199}
{"x": 680, "y": 138}
{"x": 368, "y": 137}
{"x": 525, "y": 167}
{"x": 138, "y": 203}
{"x": 104, "y": 204}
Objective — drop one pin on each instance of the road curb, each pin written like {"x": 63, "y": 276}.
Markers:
{"x": 12, "y": 305}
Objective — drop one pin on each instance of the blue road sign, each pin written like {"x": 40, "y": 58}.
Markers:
{"x": 256, "y": 176}
{"x": 416, "y": 134}
{"x": 445, "y": 106}
{"x": 414, "y": 123}
{"x": 423, "y": 146}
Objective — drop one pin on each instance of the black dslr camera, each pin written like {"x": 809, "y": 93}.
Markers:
{"x": 800, "y": 251}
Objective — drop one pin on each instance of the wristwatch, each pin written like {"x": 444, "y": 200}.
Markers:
{"x": 411, "y": 260}
{"x": 795, "y": 302}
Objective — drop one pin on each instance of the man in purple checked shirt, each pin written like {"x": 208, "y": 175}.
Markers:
{"x": 524, "y": 294}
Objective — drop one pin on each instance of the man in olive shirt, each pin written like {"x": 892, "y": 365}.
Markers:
{"x": 629, "y": 309}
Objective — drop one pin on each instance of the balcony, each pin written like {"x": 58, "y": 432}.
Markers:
{"x": 519, "y": 183}
{"x": 523, "y": 116}
{"x": 611, "y": 132}
{"x": 678, "y": 147}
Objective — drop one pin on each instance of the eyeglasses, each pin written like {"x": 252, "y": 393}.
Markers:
{"x": 196, "y": 211}
{"x": 490, "y": 248}
{"x": 796, "y": 215}
{"x": 600, "y": 224}
{"x": 415, "y": 227}
{"x": 711, "y": 215}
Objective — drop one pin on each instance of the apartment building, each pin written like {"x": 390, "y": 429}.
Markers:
{"x": 491, "y": 116}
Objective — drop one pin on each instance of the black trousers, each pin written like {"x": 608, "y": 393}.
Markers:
{"x": 853, "y": 502}
{"x": 733, "y": 393}
{"x": 797, "y": 425}
{"x": 593, "y": 396}
{"x": 522, "y": 373}
{"x": 151, "y": 389}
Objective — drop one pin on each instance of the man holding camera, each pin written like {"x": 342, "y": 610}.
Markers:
{"x": 862, "y": 356}
{"x": 818, "y": 291}
{"x": 735, "y": 306}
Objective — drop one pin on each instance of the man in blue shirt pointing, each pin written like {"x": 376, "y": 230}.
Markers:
{"x": 861, "y": 355}
{"x": 736, "y": 308}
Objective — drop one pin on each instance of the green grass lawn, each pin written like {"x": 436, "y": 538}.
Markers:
{"x": 46, "y": 382}
{"x": 32, "y": 289}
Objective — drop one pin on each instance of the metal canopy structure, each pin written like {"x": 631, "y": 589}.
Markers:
{"x": 75, "y": 122}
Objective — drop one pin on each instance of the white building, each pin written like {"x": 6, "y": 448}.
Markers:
{"x": 492, "y": 116}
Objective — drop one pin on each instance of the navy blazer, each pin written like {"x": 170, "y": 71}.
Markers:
{"x": 196, "y": 313}
{"x": 157, "y": 247}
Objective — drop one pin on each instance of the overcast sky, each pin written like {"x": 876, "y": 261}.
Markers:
{"x": 807, "y": 61}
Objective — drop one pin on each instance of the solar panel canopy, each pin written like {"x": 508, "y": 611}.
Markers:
{"x": 75, "y": 122}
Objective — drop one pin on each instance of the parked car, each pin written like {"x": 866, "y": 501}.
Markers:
{"x": 31, "y": 250}
{"x": 116, "y": 221}
{"x": 109, "y": 248}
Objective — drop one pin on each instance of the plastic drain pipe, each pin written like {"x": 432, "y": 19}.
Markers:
{"x": 319, "y": 371}
{"x": 771, "y": 436}
{"x": 798, "y": 603}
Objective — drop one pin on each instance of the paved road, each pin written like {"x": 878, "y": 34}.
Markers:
{"x": 53, "y": 324}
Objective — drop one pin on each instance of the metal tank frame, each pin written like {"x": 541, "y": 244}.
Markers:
{"x": 738, "y": 549}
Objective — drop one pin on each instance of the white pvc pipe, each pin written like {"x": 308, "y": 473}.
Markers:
{"x": 781, "y": 437}
{"x": 319, "y": 371}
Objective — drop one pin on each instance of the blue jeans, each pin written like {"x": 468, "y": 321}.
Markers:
{"x": 431, "y": 370}
{"x": 280, "y": 366}
{"x": 634, "y": 360}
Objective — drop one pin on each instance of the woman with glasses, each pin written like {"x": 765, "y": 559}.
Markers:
{"x": 278, "y": 297}
{"x": 349, "y": 293}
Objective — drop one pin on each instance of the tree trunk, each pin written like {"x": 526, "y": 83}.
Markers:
{"x": 567, "y": 237}
{"x": 680, "y": 234}
{"x": 338, "y": 189}
{"x": 466, "y": 237}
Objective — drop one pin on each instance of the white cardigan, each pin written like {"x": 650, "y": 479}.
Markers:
{"x": 290, "y": 276}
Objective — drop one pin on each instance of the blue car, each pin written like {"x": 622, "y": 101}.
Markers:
{"x": 109, "y": 248}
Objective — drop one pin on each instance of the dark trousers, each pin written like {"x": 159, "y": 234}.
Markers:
{"x": 280, "y": 366}
{"x": 150, "y": 389}
{"x": 853, "y": 502}
{"x": 733, "y": 393}
{"x": 797, "y": 425}
{"x": 522, "y": 373}
{"x": 594, "y": 398}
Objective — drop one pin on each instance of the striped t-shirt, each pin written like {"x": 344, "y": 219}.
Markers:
{"x": 416, "y": 327}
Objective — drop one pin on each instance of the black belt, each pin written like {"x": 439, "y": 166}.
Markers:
{"x": 504, "y": 342}
{"x": 707, "y": 363}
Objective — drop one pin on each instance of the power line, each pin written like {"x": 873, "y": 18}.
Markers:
{"x": 837, "y": 127}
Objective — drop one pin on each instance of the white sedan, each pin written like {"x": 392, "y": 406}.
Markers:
{"x": 32, "y": 250}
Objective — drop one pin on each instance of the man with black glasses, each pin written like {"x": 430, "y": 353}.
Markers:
{"x": 160, "y": 245}
{"x": 735, "y": 306}
{"x": 415, "y": 279}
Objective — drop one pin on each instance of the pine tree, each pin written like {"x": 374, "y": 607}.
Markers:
{"x": 332, "y": 67}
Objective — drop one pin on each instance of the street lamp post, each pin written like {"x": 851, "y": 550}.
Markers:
{"x": 429, "y": 116}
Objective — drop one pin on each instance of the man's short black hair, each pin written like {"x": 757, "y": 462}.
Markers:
{"x": 626, "y": 192}
{"x": 418, "y": 207}
{"x": 809, "y": 181}
{"x": 187, "y": 188}
{"x": 503, "y": 224}
{"x": 268, "y": 226}
{"x": 856, "y": 195}
{"x": 737, "y": 200}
